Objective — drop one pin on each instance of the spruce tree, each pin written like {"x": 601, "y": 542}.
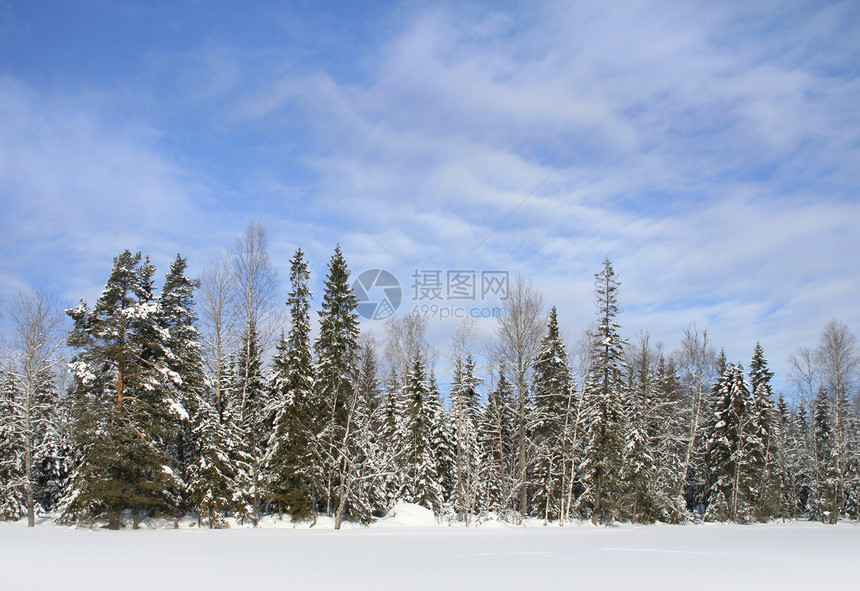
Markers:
{"x": 443, "y": 443}
{"x": 668, "y": 435}
{"x": 825, "y": 495}
{"x": 13, "y": 478}
{"x": 251, "y": 384}
{"x": 763, "y": 443}
{"x": 604, "y": 392}
{"x": 293, "y": 464}
{"x": 336, "y": 373}
{"x": 730, "y": 442}
{"x": 464, "y": 423}
{"x": 185, "y": 365}
{"x": 498, "y": 448}
{"x": 552, "y": 388}
{"x": 639, "y": 472}
{"x": 421, "y": 482}
{"x": 784, "y": 467}
{"x": 220, "y": 478}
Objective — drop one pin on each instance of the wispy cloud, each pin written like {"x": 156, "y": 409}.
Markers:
{"x": 723, "y": 184}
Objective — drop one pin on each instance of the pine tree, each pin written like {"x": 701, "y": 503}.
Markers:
{"x": 336, "y": 373}
{"x": 120, "y": 411}
{"x": 293, "y": 464}
{"x": 604, "y": 392}
{"x": 552, "y": 409}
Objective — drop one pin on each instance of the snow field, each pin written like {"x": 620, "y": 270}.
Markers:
{"x": 399, "y": 555}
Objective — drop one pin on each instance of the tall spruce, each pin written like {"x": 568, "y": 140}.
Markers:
{"x": 464, "y": 415}
{"x": 604, "y": 406}
{"x": 336, "y": 373}
{"x": 763, "y": 441}
{"x": 253, "y": 402}
{"x": 498, "y": 448}
{"x": 185, "y": 366}
{"x": 293, "y": 464}
{"x": 552, "y": 410}
{"x": 730, "y": 444}
{"x": 825, "y": 500}
{"x": 421, "y": 483}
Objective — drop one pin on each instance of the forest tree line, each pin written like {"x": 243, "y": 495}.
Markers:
{"x": 169, "y": 408}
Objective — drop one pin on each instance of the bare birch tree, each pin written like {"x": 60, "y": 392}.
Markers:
{"x": 219, "y": 316}
{"x": 33, "y": 355}
{"x": 519, "y": 331}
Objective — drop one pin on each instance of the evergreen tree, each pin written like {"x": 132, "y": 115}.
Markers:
{"x": 220, "y": 478}
{"x": 824, "y": 502}
{"x": 552, "y": 409}
{"x": 604, "y": 392}
{"x": 801, "y": 459}
{"x": 785, "y": 471}
{"x": 252, "y": 408}
{"x": 120, "y": 411}
{"x": 184, "y": 362}
{"x": 13, "y": 478}
{"x": 421, "y": 482}
{"x": 293, "y": 464}
{"x": 498, "y": 448}
{"x": 336, "y": 373}
{"x": 443, "y": 438}
{"x": 730, "y": 445}
{"x": 639, "y": 471}
{"x": 392, "y": 441}
{"x": 763, "y": 443}
{"x": 667, "y": 432}
{"x": 464, "y": 422}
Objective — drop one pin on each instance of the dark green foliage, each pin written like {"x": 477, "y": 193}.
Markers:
{"x": 336, "y": 373}
{"x": 604, "y": 407}
{"x": 730, "y": 445}
{"x": 293, "y": 464}
{"x": 497, "y": 437}
{"x": 121, "y": 415}
{"x": 421, "y": 482}
{"x": 551, "y": 423}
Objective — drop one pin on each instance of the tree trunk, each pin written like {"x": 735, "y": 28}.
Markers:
{"x": 28, "y": 455}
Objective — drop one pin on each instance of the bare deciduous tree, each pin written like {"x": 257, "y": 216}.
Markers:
{"x": 219, "y": 317}
{"x": 33, "y": 355}
{"x": 519, "y": 331}
{"x": 696, "y": 364}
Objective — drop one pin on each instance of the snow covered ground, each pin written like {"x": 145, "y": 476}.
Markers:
{"x": 405, "y": 551}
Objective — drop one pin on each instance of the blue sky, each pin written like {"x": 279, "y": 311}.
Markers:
{"x": 719, "y": 173}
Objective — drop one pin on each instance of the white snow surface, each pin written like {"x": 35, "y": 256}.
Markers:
{"x": 408, "y": 515}
{"x": 406, "y": 551}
